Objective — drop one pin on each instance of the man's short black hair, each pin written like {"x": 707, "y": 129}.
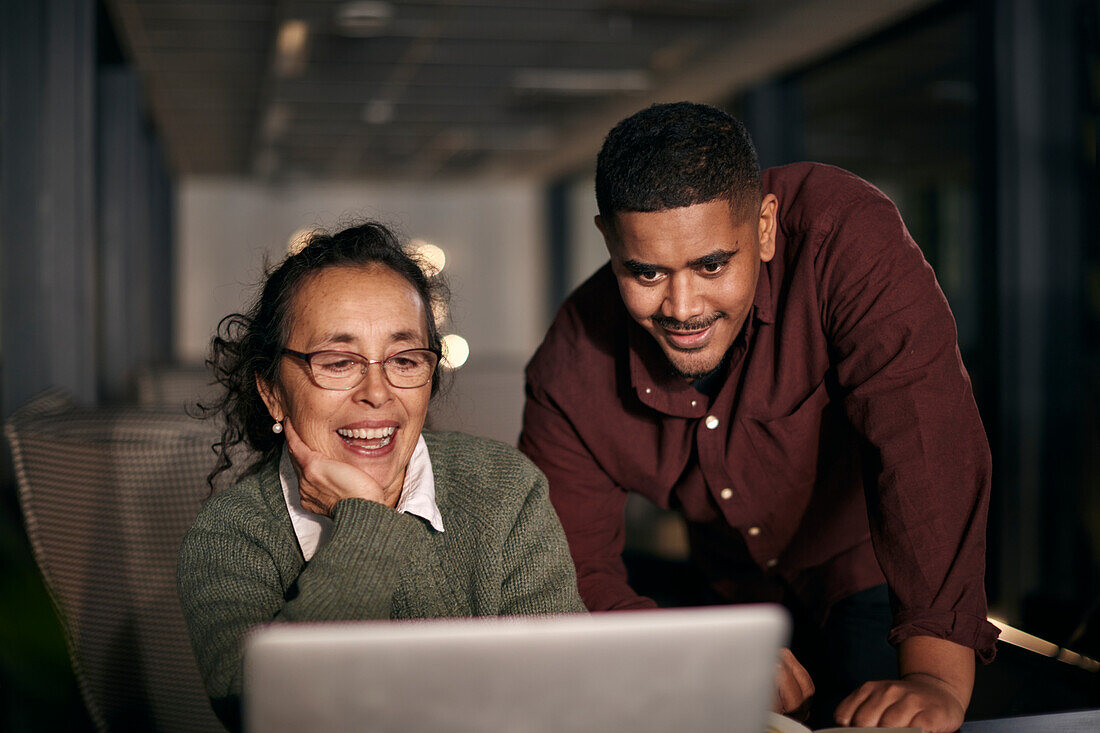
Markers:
{"x": 673, "y": 155}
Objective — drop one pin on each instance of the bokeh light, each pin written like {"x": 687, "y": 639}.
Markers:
{"x": 455, "y": 351}
{"x": 433, "y": 257}
{"x": 298, "y": 241}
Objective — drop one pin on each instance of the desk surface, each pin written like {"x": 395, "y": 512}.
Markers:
{"x": 1082, "y": 721}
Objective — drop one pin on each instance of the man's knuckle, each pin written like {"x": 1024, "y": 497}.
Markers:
{"x": 868, "y": 688}
{"x": 862, "y": 718}
{"x": 896, "y": 716}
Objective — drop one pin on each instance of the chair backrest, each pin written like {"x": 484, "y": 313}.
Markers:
{"x": 107, "y": 494}
{"x": 175, "y": 386}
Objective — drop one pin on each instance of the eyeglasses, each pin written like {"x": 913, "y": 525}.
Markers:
{"x": 344, "y": 370}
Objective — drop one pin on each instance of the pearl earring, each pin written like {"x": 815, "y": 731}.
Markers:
{"x": 277, "y": 427}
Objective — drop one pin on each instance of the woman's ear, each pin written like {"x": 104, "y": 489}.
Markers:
{"x": 270, "y": 395}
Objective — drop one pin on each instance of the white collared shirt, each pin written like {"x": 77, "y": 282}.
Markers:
{"x": 417, "y": 497}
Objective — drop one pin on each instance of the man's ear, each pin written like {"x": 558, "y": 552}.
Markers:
{"x": 767, "y": 226}
{"x": 270, "y": 395}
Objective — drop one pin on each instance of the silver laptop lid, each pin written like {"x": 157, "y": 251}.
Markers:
{"x": 709, "y": 669}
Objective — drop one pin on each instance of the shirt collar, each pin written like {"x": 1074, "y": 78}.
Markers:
{"x": 418, "y": 491}
{"x": 417, "y": 497}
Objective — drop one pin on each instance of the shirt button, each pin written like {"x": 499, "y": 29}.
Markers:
{"x": 648, "y": 390}
{"x": 754, "y": 531}
{"x": 772, "y": 563}
{"x": 693, "y": 403}
{"x": 711, "y": 422}
{"x": 726, "y": 493}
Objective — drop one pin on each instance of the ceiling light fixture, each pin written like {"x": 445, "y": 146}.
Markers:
{"x": 363, "y": 18}
{"x": 581, "y": 81}
{"x": 290, "y": 48}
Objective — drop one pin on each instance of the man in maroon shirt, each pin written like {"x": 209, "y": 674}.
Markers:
{"x": 771, "y": 356}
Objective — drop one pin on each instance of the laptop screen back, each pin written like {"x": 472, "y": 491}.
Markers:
{"x": 694, "y": 670}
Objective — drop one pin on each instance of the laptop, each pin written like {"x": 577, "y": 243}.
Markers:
{"x": 699, "y": 670}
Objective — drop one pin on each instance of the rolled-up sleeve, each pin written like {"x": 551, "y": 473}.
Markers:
{"x": 907, "y": 392}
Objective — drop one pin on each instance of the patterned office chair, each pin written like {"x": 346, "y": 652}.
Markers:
{"x": 107, "y": 494}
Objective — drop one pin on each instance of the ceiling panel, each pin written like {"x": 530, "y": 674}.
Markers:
{"x": 438, "y": 88}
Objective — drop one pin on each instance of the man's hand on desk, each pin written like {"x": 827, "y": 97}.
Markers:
{"x": 794, "y": 688}
{"x": 937, "y": 677}
{"x": 917, "y": 701}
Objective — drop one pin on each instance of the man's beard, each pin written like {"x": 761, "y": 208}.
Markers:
{"x": 695, "y": 375}
{"x": 695, "y": 324}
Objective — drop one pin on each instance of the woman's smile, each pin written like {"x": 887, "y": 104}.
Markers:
{"x": 369, "y": 441}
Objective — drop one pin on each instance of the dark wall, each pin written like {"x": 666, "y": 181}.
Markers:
{"x": 85, "y": 209}
{"x": 980, "y": 119}
{"x": 47, "y": 199}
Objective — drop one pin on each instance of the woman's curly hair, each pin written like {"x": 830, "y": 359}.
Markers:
{"x": 249, "y": 345}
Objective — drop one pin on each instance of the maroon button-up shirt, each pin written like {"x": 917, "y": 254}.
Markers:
{"x": 843, "y": 449}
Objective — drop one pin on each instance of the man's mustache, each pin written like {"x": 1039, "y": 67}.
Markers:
{"x": 695, "y": 324}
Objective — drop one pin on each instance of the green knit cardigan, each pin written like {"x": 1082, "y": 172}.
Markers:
{"x": 502, "y": 552}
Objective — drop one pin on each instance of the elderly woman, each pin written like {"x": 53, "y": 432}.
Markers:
{"x": 351, "y": 510}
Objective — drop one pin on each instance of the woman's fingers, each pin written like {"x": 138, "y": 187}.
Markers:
{"x": 323, "y": 481}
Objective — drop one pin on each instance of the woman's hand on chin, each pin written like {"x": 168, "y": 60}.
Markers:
{"x": 323, "y": 481}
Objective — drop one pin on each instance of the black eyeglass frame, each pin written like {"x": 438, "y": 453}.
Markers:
{"x": 367, "y": 362}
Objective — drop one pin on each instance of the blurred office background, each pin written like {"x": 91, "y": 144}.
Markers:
{"x": 155, "y": 153}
